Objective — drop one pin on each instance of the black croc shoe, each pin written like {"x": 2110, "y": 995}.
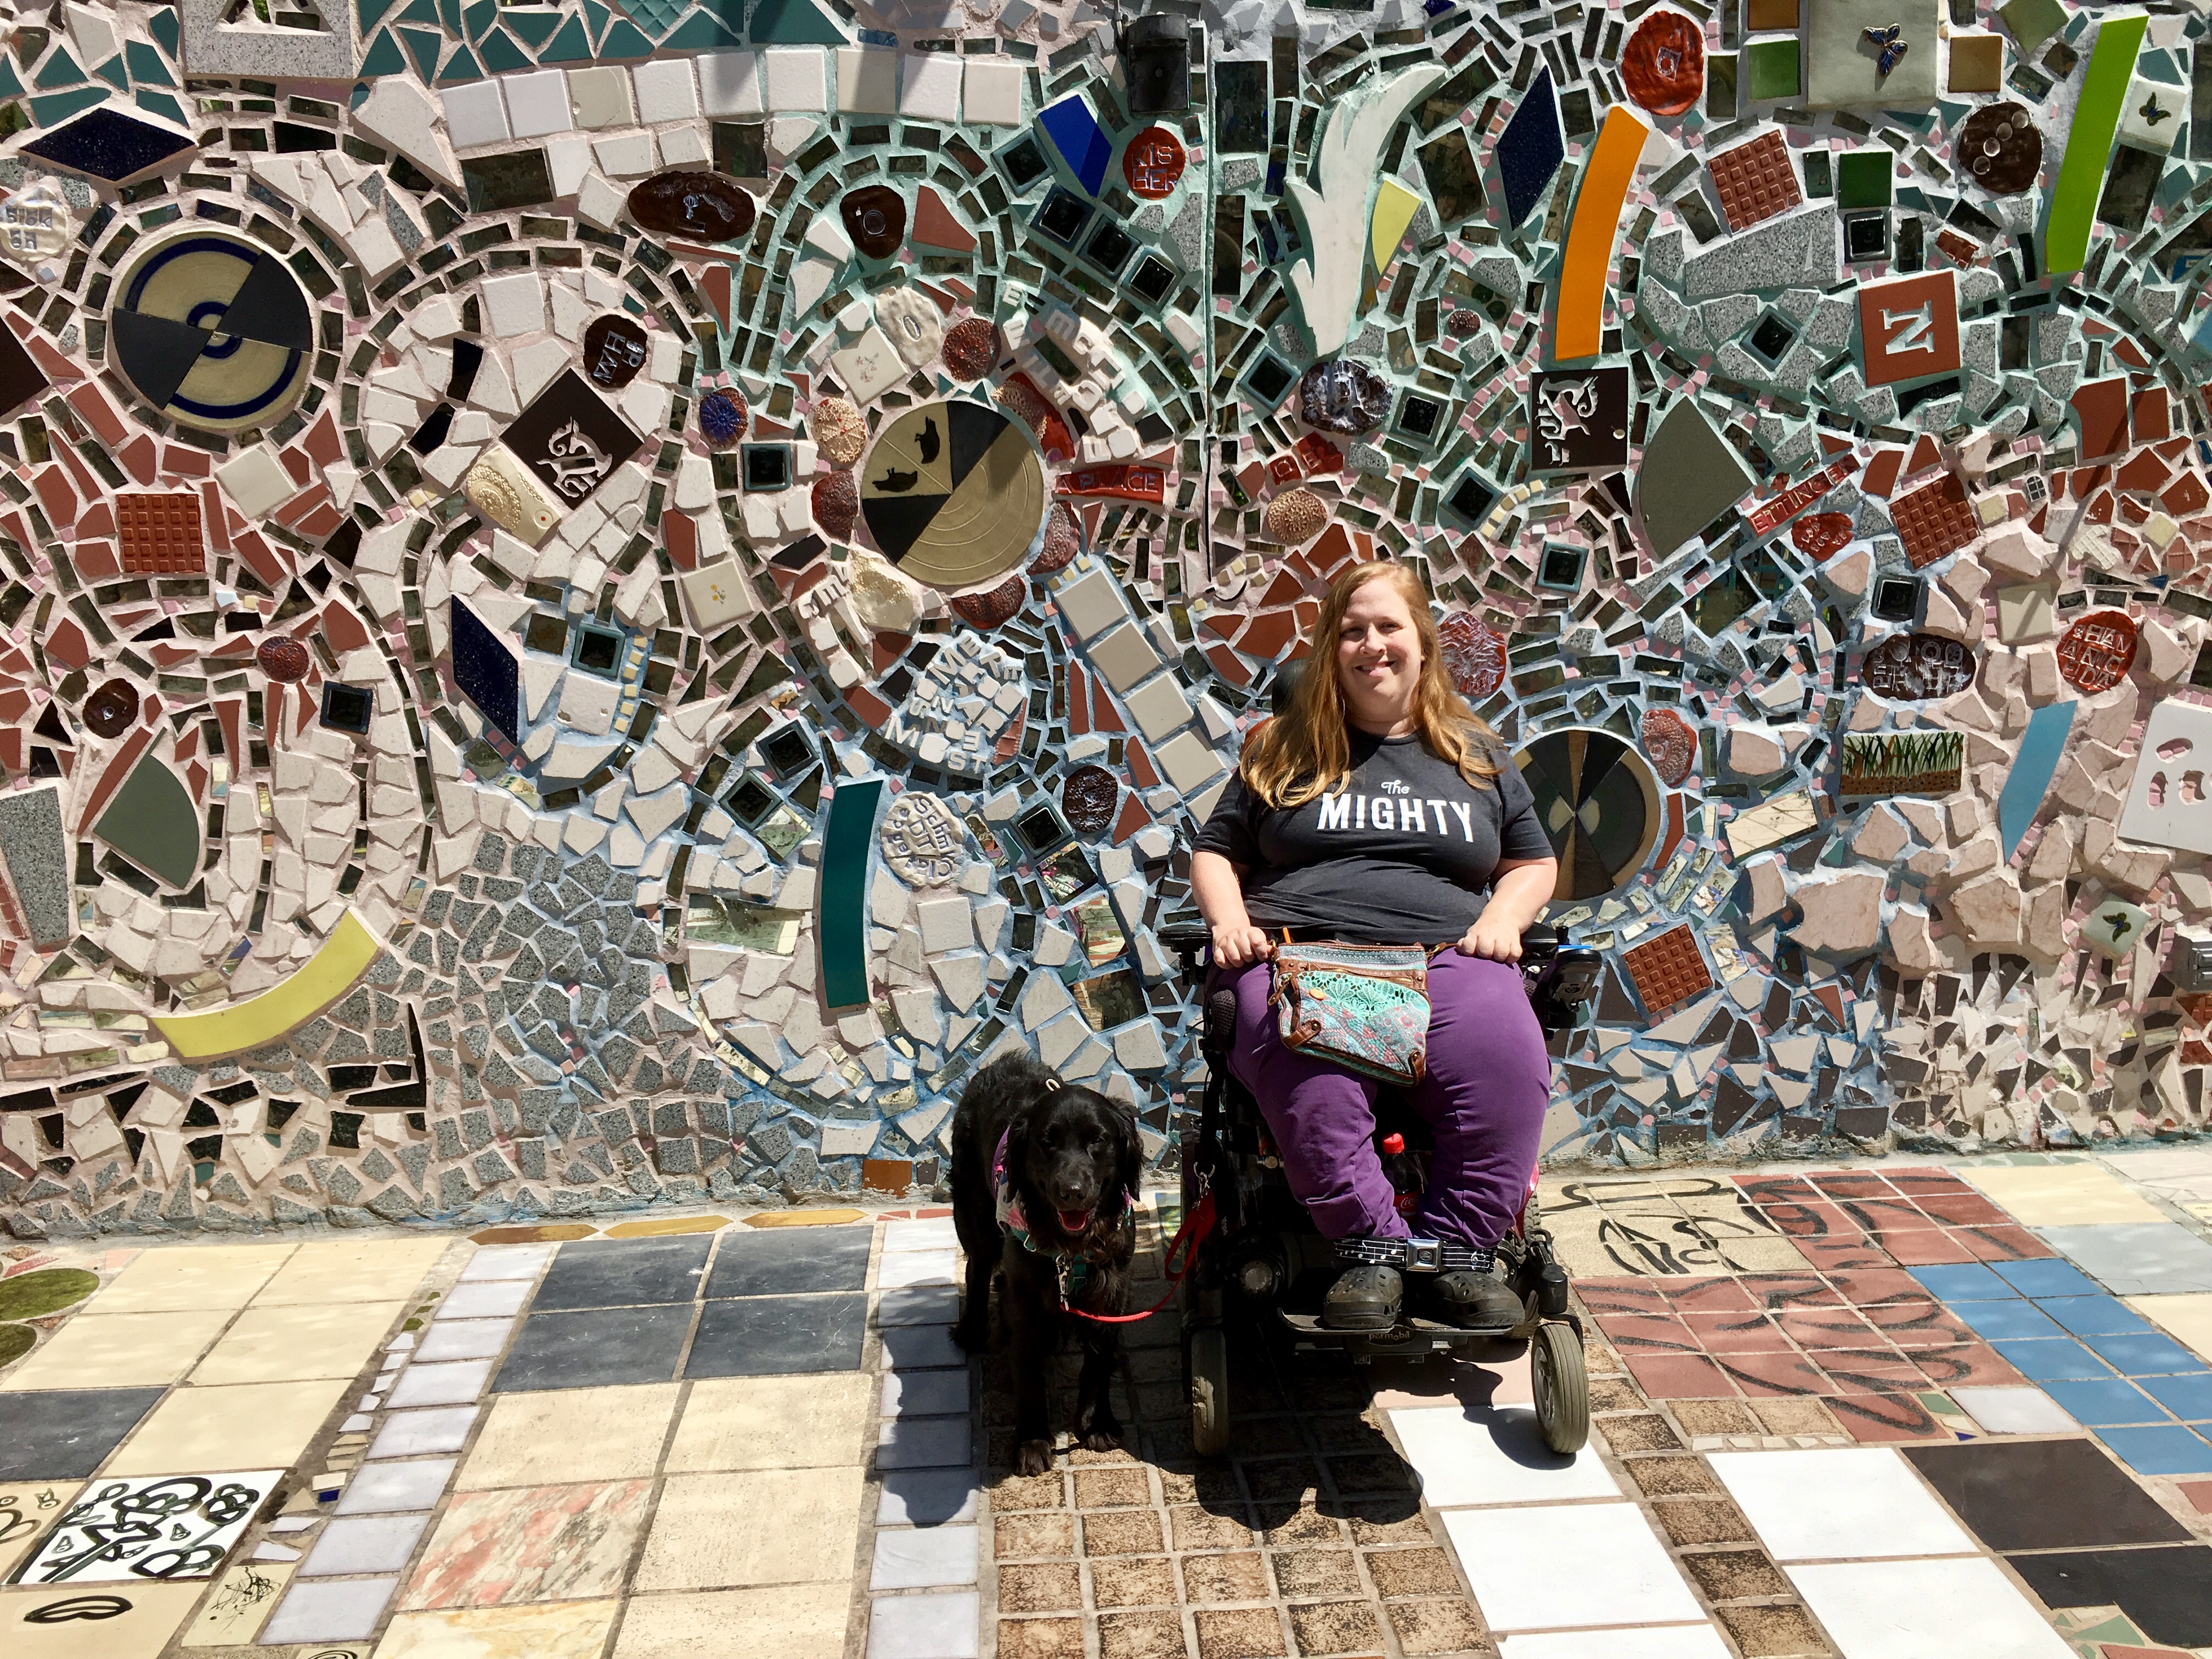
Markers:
{"x": 1364, "y": 1298}
{"x": 1474, "y": 1301}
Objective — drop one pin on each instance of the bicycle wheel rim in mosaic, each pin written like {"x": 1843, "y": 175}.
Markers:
{"x": 1599, "y": 804}
{"x": 953, "y": 494}
{"x": 212, "y": 330}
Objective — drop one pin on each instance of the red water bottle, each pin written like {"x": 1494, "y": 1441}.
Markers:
{"x": 1405, "y": 1175}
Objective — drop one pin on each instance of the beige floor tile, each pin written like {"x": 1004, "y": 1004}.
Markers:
{"x": 791, "y": 1623}
{"x": 155, "y": 1611}
{"x": 120, "y": 1351}
{"x": 553, "y": 1629}
{"x": 374, "y": 1269}
{"x": 2061, "y": 1194}
{"x": 2187, "y": 1319}
{"x": 291, "y": 1345}
{"x": 254, "y": 1426}
{"x": 209, "y": 1276}
{"x": 571, "y": 1434}
{"x": 765, "y": 1527}
{"x": 775, "y": 1423}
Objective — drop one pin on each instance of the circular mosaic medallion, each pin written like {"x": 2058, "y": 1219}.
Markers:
{"x": 1063, "y": 540}
{"x": 615, "y": 349}
{"x": 112, "y": 709}
{"x": 705, "y": 206}
{"x": 283, "y": 658}
{"x": 213, "y": 331}
{"x": 922, "y": 842}
{"x": 1663, "y": 66}
{"x": 1821, "y": 535}
{"x": 1475, "y": 655}
{"x": 1297, "y": 515}
{"x": 1671, "y": 743}
{"x": 1908, "y": 667}
{"x": 2095, "y": 654}
{"x": 994, "y": 605}
{"x": 1344, "y": 395}
{"x": 837, "y": 502}
{"x": 2000, "y": 148}
{"x": 1598, "y": 801}
{"x": 1463, "y": 324}
{"x": 875, "y": 218}
{"x": 971, "y": 347}
{"x": 1088, "y": 798}
{"x": 953, "y": 493}
{"x": 840, "y": 431}
{"x": 722, "y": 417}
{"x": 1153, "y": 163}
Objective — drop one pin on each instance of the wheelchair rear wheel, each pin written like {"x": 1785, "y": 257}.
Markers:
{"x": 1209, "y": 1393}
{"x": 1561, "y": 1386}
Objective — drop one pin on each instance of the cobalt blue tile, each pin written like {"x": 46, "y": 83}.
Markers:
{"x": 2095, "y": 1315}
{"x": 1082, "y": 142}
{"x": 2173, "y": 1450}
{"x": 2188, "y": 1396}
{"x": 2145, "y": 1356}
{"x": 2103, "y": 1400}
{"x": 1967, "y": 1281}
{"x": 2047, "y": 1362}
{"x": 2046, "y": 1276}
{"x": 1530, "y": 149}
{"x": 2014, "y": 1319}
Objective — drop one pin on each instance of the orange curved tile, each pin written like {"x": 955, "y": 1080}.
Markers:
{"x": 1589, "y": 258}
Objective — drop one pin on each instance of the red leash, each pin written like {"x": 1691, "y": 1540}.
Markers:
{"x": 1195, "y": 1226}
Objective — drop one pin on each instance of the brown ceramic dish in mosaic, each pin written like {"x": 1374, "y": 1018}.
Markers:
{"x": 836, "y": 503}
{"x": 1821, "y": 535}
{"x": 1671, "y": 744}
{"x": 112, "y": 709}
{"x": 1087, "y": 800}
{"x": 1663, "y": 66}
{"x": 2096, "y": 652}
{"x": 2000, "y": 148}
{"x": 1474, "y": 655}
{"x": 1463, "y": 324}
{"x": 875, "y": 218}
{"x": 1297, "y": 516}
{"x": 971, "y": 347}
{"x": 615, "y": 349}
{"x": 283, "y": 658}
{"x": 1908, "y": 667}
{"x": 994, "y": 605}
{"x": 1063, "y": 540}
{"x": 840, "y": 431}
{"x": 705, "y": 206}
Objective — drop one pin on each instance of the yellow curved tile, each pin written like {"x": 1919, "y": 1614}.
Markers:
{"x": 1589, "y": 258}
{"x": 1394, "y": 208}
{"x": 345, "y": 956}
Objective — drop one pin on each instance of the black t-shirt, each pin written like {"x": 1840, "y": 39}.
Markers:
{"x": 1402, "y": 855}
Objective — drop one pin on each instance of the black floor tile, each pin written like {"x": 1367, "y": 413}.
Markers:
{"x": 771, "y": 1335}
{"x": 2167, "y": 1592}
{"x": 625, "y": 1272}
{"x": 596, "y": 1349}
{"x": 789, "y": 1260}
{"x": 65, "y": 1435}
{"x": 2045, "y": 1495}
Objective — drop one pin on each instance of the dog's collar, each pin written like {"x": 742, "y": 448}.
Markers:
{"x": 1074, "y": 1266}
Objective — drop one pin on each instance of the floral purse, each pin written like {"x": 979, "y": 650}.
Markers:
{"x": 1365, "y": 1007}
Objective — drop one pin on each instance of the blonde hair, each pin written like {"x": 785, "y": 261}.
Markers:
{"x": 1306, "y": 750}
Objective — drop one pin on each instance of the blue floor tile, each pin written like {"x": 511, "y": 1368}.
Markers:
{"x": 2014, "y": 1321}
{"x": 2046, "y": 1276}
{"x": 2173, "y": 1450}
{"x": 2047, "y": 1362}
{"x": 1967, "y": 1281}
{"x": 2145, "y": 1356}
{"x": 2188, "y": 1396}
{"x": 2106, "y": 1401}
{"x": 2096, "y": 1316}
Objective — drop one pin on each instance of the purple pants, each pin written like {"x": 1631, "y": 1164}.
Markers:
{"x": 1489, "y": 1078}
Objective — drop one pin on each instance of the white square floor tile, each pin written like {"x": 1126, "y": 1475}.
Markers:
{"x": 929, "y": 86}
{"x": 918, "y": 1267}
{"x": 2015, "y": 1410}
{"x": 797, "y": 79}
{"x": 928, "y": 1497}
{"x": 538, "y": 104}
{"x": 1957, "y": 1609}
{"x": 924, "y": 1442}
{"x": 1499, "y": 1458}
{"x": 344, "y": 1611}
{"x": 500, "y": 1298}
{"x": 924, "y": 1559}
{"x": 1569, "y": 1566}
{"x": 411, "y": 1434}
{"x": 666, "y": 91}
{"x": 474, "y": 115}
{"x": 934, "y": 1234}
{"x": 1839, "y": 1505}
{"x": 919, "y": 1305}
{"x": 2158, "y": 1258}
{"x": 506, "y": 1262}
{"x": 924, "y": 1626}
{"x": 925, "y": 1394}
{"x": 1663, "y": 1641}
{"x": 440, "y": 1385}
{"x": 729, "y": 82}
{"x": 919, "y": 1347}
{"x": 397, "y": 1488}
{"x": 465, "y": 1338}
{"x": 363, "y": 1543}
{"x": 994, "y": 93}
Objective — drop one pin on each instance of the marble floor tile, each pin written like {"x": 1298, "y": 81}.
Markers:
{"x": 925, "y": 1559}
{"x": 919, "y": 1305}
{"x": 775, "y": 1423}
{"x": 782, "y": 1263}
{"x": 925, "y": 1627}
{"x": 498, "y": 1298}
{"x": 119, "y": 1350}
{"x": 2154, "y": 1259}
{"x": 601, "y": 1348}
{"x": 248, "y": 1425}
{"x": 67, "y": 1435}
{"x": 775, "y": 1335}
{"x": 289, "y": 1343}
{"x": 465, "y": 1338}
{"x": 186, "y": 1277}
{"x": 364, "y": 1269}
{"x": 451, "y": 1384}
{"x": 1917, "y": 1609}
{"x": 921, "y": 1347}
{"x": 235, "y": 1610}
{"x": 792, "y": 1621}
{"x": 623, "y": 1274}
{"x": 381, "y": 1488}
{"x": 355, "y": 1544}
{"x": 924, "y": 1393}
{"x": 912, "y": 1268}
{"x": 40, "y": 1502}
{"x": 1532, "y": 1568}
{"x": 156, "y": 1612}
{"x": 928, "y": 1497}
{"x": 329, "y": 1610}
{"x": 2186, "y": 1318}
{"x": 924, "y": 1442}
{"x": 2015, "y": 1410}
{"x": 760, "y": 1527}
{"x": 413, "y": 1434}
{"x": 1496, "y": 1456}
{"x": 569, "y": 1435}
{"x": 2061, "y": 1194}
{"x": 506, "y": 1262}
{"x": 533, "y": 1544}
{"x": 935, "y": 1234}
{"x": 550, "y": 1630}
{"x": 1872, "y": 1504}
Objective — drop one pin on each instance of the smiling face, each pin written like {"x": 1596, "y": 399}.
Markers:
{"x": 1379, "y": 660}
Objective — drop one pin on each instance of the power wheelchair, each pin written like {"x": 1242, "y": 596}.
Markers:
{"x": 1264, "y": 1265}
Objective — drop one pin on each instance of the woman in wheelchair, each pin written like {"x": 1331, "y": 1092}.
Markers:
{"x": 1378, "y": 808}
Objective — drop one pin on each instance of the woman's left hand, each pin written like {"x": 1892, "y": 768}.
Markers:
{"x": 1491, "y": 937}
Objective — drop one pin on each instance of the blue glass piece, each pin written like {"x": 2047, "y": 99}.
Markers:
{"x": 1530, "y": 149}
{"x": 161, "y": 103}
{"x": 625, "y": 39}
{"x": 2101, "y": 1402}
{"x": 500, "y": 54}
{"x": 1073, "y": 130}
{"x": 793, "y": 23}
{"x": 534, "y": 28}
{"x": 2032, "y": 768}
{"x": 147, "y": 69}
{"x": 2189, "y": 1396}
{"x": 162, "y": 20}
{"x": 2144, "y": 1356}
{"x": 1991, "y": 1320}
{"x": 383, "y": 57}
{"x": 109, "y": 143}
{"x": 700, "y": 32}
{"x": 1967, "y": 1281}
{"x": 570, "y": 45}
{"x": 2045, "y": 1276}
{"x": 841, "y": 923}
{"x": 461, "y": 66}
{"x": 423, "y": 45}
{"x": 485, "y": 671}
{"x": 877, "y": 38}
{"x": 61, "y": 70}
{"x": 2172, "y": 1450}
{"x": 114, "y": 74}
{"x": 2095, "y": 1315}
{"x": 2050, "y": 1362}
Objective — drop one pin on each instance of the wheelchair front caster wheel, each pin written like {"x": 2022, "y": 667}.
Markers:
{"x": 1209, "y": 1393}
{"x": 1561, "y": 1386}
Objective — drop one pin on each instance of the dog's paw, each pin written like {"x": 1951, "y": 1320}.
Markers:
{"x": 1036, "y": 1456}
{"x": 1103, "y": 1437}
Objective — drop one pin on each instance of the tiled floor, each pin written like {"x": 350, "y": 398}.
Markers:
{"x": 1895, "y": 1412}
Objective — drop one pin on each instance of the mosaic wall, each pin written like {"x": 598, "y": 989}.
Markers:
{"x": 602, "y": 601}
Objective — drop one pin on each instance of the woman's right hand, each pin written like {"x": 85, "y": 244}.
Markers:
{"x": 1240, "y": 945}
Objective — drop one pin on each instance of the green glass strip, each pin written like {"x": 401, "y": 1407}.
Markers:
{"x": 2089, "y": 144}
{"x": 840, "y": 921}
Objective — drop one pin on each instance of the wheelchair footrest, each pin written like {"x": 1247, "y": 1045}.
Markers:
{"x": 1410, "y": 1331}
{"x": 1415, "y": 1256}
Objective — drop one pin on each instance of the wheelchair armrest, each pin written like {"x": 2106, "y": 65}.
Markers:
{"x": 1185, "y": 933}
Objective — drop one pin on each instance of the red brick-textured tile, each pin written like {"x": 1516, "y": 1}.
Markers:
{"x": 1668, "y": 969}
{"x": 161, "y": 534}
{"x": 1737, "y": 1333}
{"x": 1933, "y": 521}
{"x": 1871, "y": 1418}
{"x": 1678, "y": 1376}
{"x": 2006, "y": 1243}
{"x": 1757, "y": 1373}
{"x": 1755, "y": 181}
{"x": 1708, "y": 1296}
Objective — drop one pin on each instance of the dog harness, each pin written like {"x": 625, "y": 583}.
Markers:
{"x": 1073, "y": 1267}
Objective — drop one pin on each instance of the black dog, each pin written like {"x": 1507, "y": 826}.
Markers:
{"x": 1071, "y": 1164}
